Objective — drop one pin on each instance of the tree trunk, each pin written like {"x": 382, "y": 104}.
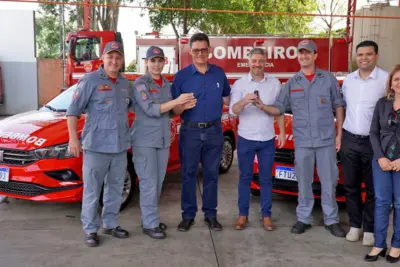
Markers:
{"x": 171, "y": 19}
{"x": 185, "y": 27}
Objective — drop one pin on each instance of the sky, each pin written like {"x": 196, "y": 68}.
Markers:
{"x": 131, "y": 21}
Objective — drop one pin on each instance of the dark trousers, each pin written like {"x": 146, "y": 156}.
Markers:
{"x": 200, "y": 145}
{"x": 356, "y": 156}
{"x": 265, "y": 151}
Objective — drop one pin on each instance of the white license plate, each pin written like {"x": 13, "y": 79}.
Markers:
{"x": 4, "y": 174}
{"x": 285, "y": 173}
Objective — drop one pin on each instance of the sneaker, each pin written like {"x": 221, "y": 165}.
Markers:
{"x": 368, "y": 239}
{"x": 354, "y": 234}
{"x": 336, "y": 230}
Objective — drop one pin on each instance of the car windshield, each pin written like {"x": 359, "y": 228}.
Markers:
{"x": 61, "y": 102}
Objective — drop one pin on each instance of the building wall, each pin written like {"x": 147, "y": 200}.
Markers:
{"x": 50, "y": 79}
{"x": 18, "y": 62}
{"x": 385, "y": 32}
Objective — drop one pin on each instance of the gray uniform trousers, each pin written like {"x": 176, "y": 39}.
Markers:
{"x": 328, "y": 174}
{"x": 150, "y": 166}
{"x": 109, "y": 168}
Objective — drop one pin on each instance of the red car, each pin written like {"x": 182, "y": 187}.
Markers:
{"x": 36, "y": 165}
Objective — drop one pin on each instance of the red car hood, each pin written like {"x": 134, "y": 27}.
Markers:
{"x": 33, "y": 129}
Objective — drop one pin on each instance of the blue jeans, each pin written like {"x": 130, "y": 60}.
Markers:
{"x": 265, "y": 151}
{"x": 200, "y": 145}
{"x": 387, "y": 190}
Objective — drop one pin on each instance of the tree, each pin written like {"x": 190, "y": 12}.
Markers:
{"x": 232, "y": 23}
{"x": 334, "y": 7}
{"x": 131, "y": 67}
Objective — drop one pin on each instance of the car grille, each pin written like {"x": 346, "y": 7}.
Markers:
{"x": 16, "y": 157}
{"x": 283, "y": 155}
{"x": 28, "y": 189}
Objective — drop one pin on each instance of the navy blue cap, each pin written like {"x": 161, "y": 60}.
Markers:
{"x": 154, "y": 51}
{"x": 113, "y": 47}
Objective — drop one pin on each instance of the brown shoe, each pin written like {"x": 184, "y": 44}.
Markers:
{"x": 241, "y": 222}
{"x": 267, "y": 222}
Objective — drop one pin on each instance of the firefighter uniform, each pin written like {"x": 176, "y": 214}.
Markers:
{"x": 150, "y": 143}
{"x": 105, "y": 141}
{"x": 314, "y": 132}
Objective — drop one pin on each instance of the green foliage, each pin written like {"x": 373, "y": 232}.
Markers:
{"x": 131, "y": 67}
{"x": 233, "y": 23}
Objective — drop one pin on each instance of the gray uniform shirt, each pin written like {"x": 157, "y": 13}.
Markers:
{"x": 312, "y": 104}
{"x": 150, "y": 128}
{"x": 106, "y": 105}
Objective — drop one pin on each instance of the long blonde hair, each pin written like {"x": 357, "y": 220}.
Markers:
{"x": 389, "y": 89}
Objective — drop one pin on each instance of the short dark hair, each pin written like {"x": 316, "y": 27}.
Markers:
{"x": 198, "y": 37}
{"x": 368, "y": 43}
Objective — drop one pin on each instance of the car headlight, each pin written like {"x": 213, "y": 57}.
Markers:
{"x": 57, "y": 152}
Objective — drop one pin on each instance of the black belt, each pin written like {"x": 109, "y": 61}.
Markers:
{"x": 357, "y": 135}
{"x": 201, "y": 124}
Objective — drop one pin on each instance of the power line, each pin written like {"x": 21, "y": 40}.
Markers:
{"x": 204, "y": 10}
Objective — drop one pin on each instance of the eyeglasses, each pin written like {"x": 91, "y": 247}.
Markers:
{"x": 198, "y": 51}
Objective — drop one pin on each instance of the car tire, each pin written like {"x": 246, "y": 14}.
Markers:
{"x": 255, "y": 192}
{"x": 227, "y": 155}
{"x": 129, "y": 185}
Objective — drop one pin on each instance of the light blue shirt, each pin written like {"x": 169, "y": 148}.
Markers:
{"x": 254, "y": 123}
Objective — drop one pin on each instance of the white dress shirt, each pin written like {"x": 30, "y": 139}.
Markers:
{"x": 361, "y": 97}
{"x": 254, "y": 123}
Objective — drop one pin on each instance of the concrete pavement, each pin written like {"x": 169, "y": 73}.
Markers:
{"x": 46, "y": 234}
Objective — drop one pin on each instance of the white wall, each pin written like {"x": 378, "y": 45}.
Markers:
{"x": 18, "y": 62}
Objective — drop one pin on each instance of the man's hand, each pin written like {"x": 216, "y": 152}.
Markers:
{"x": 189, "y": 105}
{"x": 259, "y": 103}
{"x": 395, "y": 165}
{"x": 385, "y": 164}
{"x": 338, "y": 142}
{"x": 74, "y": 147}
{"x": 250, "y": 98}
{"x": 281, "y": 140}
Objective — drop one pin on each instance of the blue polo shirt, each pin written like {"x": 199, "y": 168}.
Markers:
{"x": 208, "y": 89}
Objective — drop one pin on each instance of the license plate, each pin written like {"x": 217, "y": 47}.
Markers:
{"x": 285, "y": 173}
{"x": 4, "y": 174}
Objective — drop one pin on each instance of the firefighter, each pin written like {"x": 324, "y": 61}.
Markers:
{"x": 201, "y": 137}
{"x": 104, "y": 96}
{"x": 152, "y": 102}
{"x": 312, "y": 94}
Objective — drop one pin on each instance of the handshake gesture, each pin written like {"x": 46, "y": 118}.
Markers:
{"x": 186, "y": 100}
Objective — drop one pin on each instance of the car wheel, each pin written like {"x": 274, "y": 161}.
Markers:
{"x": 227, "y": 155}
{"x": 129, "y": 185}
{"x": 255, "y": 192}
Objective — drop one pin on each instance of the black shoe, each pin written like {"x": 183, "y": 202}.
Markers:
{"x": 336, "y": 230}
{"x": 162, "y": 226}
{"x": 375, "y": 257}
{"x": 155, "y": 233}
{"x": 92, "y": 240}
{"x": 116, "y": 232}
{"x": 213, "y": 224}
{"x": 300, "y": 227}
{"x": 185, "y": 225}
{"x": 392, "y": 259}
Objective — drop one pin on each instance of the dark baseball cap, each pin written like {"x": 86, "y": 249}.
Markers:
{"x": 308, "y": 45}
{"x": 154, "y": 51}
{"x": 113, "y": 47}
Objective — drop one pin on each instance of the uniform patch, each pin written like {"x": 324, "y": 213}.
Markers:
{"x": 108, "y": 101}
{"x": 297, "y": 90}
{"x": 323, "y": 100}
{"x": 339, "y": 88}
{"x": 140, "y": 87}
{"x": 76, "y": 94}
{"x": 156, "y": 51}
{"x": 144, "y": 96}
{"x": 104, "y": 88}
{"x": 154, "y": 90}
{"x": 114, "y": 46}
{"x": 304, "y": 42}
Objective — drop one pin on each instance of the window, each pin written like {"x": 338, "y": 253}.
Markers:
{"x": 61, "y": 102}
{"x": 87, "y": 49}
